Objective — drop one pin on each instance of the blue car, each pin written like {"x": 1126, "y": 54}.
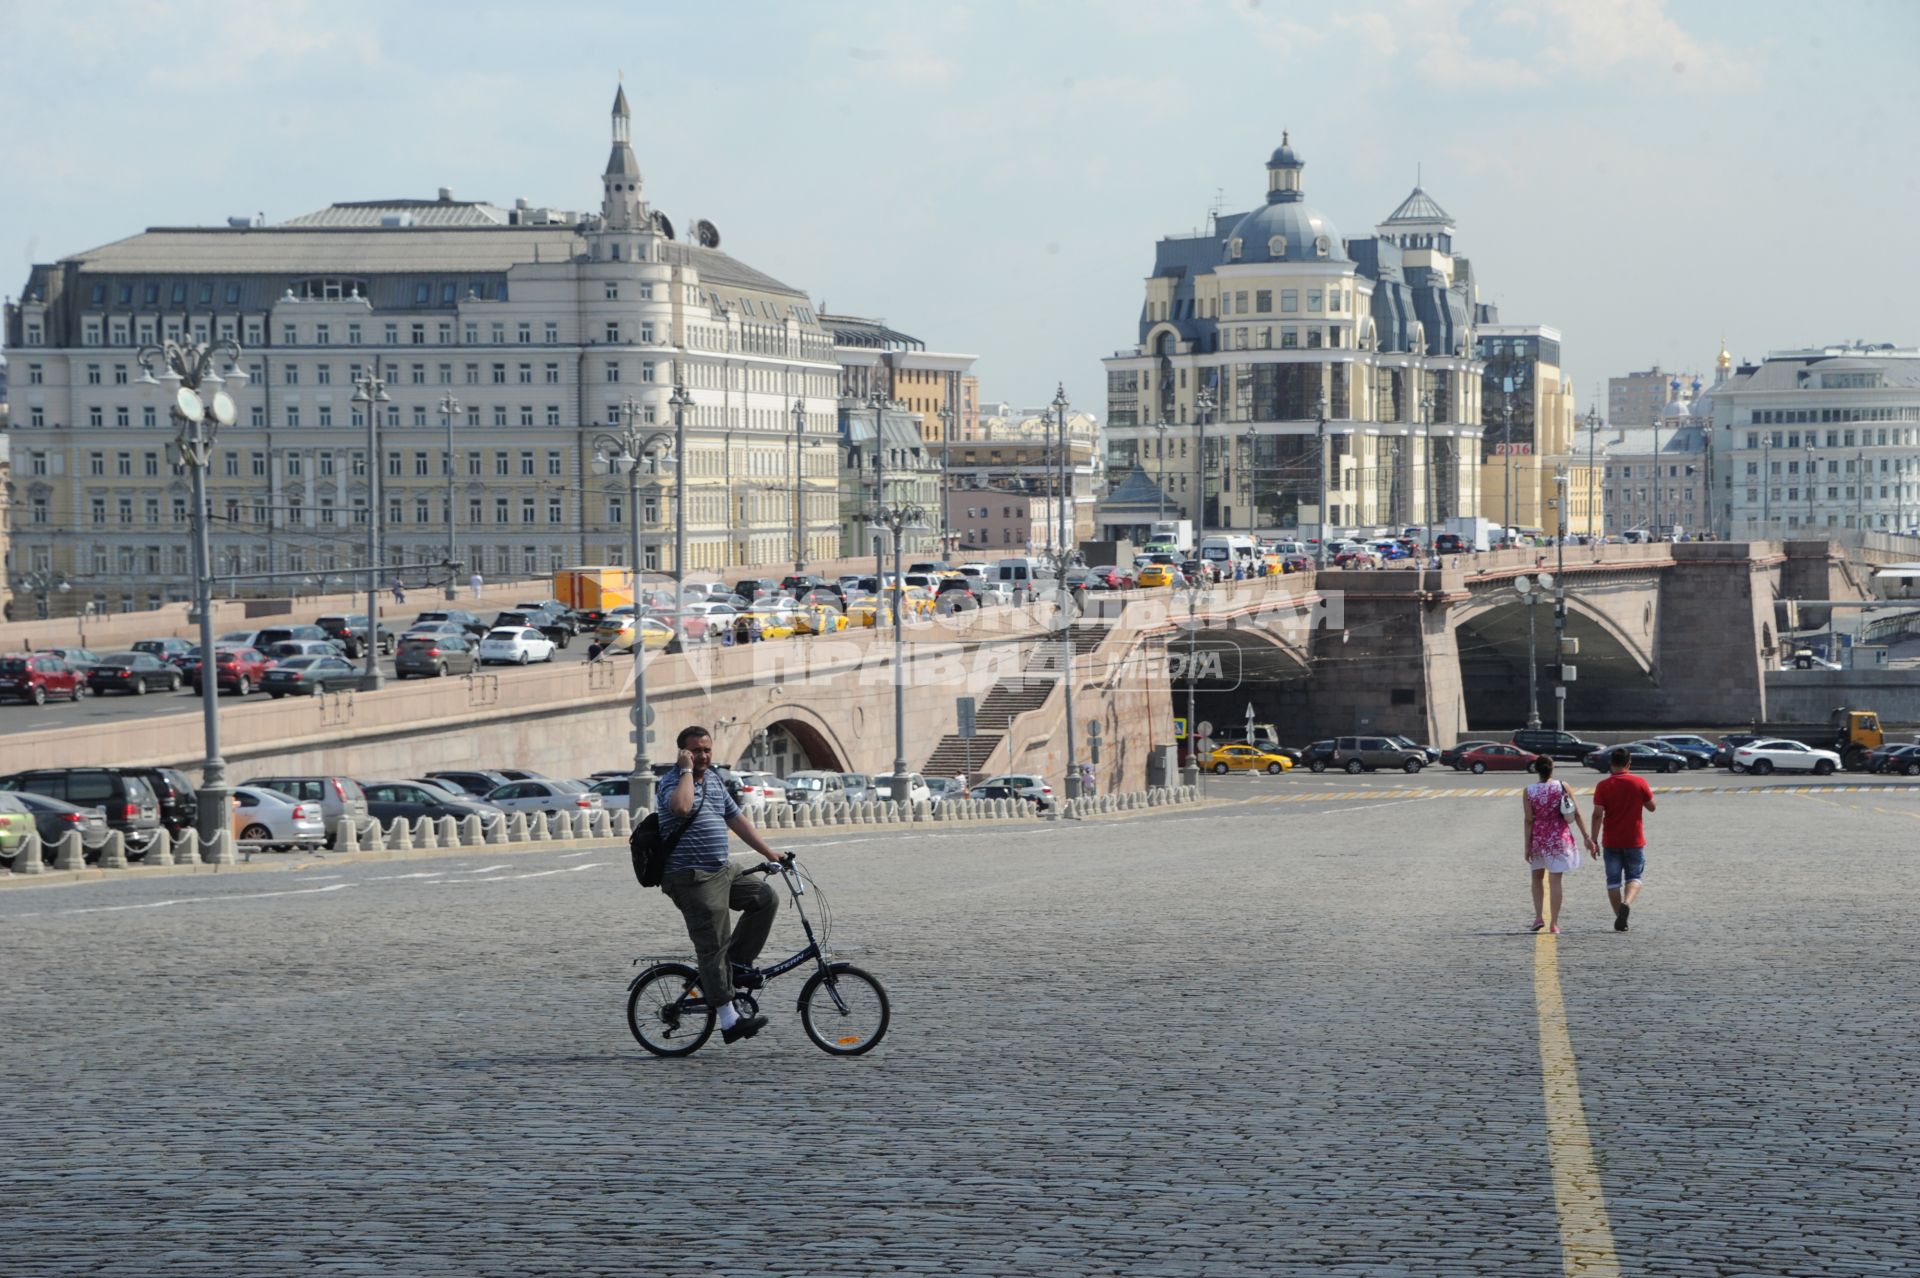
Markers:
{"x": 1699, "y": 751}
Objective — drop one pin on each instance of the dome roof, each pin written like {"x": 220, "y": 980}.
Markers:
{"x": 1678, "y": 408}
{"x": 1283, "y": 156}
{"x": 1299, "y": 224}
{"x": 1418, "y": 207}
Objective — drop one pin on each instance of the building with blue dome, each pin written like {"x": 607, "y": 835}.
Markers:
{"x": 1270, "y": 341}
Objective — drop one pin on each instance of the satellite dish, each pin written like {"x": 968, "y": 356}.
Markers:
{"x": 1546, "y": 581}
{"x": 1523, "y": 584}
{"x": 662, "y": 224}
{"x": 223, "y": 408}
{"x": 707, "y": 233}
{"x": 187, "y": 401}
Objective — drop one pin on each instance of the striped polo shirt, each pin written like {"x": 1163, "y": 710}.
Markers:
{"x": 704, "y": 845}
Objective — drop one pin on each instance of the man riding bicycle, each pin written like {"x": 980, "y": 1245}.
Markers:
{"x": 696, "y": 809}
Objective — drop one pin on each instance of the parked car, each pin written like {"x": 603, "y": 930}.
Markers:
{"x": 310, "y": 676}
{"x": 1493, "y": 756}
{"x": 1024, "y": 785}
{"x": 337, "y": 796}
{"x": 1450, "y": 757}
{"x": 1903, "y": 759}
{"x": 478, "y": 783}
{"x": 940, "y": 789}
{"x": 1641, "y": 757}
{"x": 390, "y": 799}
{"x": 1558, "y": 746}
{"x": 1724, "y": 748}
{"x": 510, "y": 646}
{"x": 171, "y": 651}
{"x": 39, "y": 678}
{"x": 915, "y": 785}
{"x": 613, "y": 792}
{"x": 1247, "y": 758}
{"x": 81, "y": 659}
{"x": 179, "y": 804}
{"x": 17, "y": 818}
{"x": 304, "y": 648}
{"x": 1765, "y": 756}
{"x": 557, "y": 617}
{"x": 268, "y": 819}
{"x": 1431, "y": 752}
{"x": 459, "y": 616}
{"x": 546, "y": 796}
{"x": 857, "y": 786}
{"x": 528, "y": 774}
{"x": 1699, "y": 750}
{"x": 1365, "y": 754}
{"x": 53, "y": 819}
{"x": 266, "y": 637}
{"x": 240, "y": 669}
{"x": 349, "y": 630}
{"x": 1316, "y": 756}
{"x": 554, "y": 630}
{"x": 433, "y": 655}
{"x": 130, "y": 805}
{"x": 815, "y": 788}
{"x": 133, "y": 672}
{"x": 757, "y": 790}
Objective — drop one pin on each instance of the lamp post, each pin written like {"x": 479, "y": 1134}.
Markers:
{"x": 1161, "y": 428}
{"x": 1252, "y": 439}
{"x": 1426, "y": 414}
{"x": 1196, "y": 591}
{"x": 183, "y": 371}
{"x": 1766, "y": 485}
{"x": 1860, "y": 491}
{"x": 1561, "y": 481}
{"x": 799, "y": 486}
{"x": 1060, "y": 497}
{"x": 629, "y": 449}
{"x": 680, "y": 401}
{"x": 41, "y": 583}
{"x": 1063, "y": 597}
{"x": 1808, "y": 477}
{"x": 1320, "y": 410}
{"x": 877, "y": 402}
{"x": 946, "y": 464}
{"x": 370, "y": 391}
{"x": 1203, "y": 405}
{"x": 896, "y": 519}
{"x": 1531, "y": 597}
{"x": 1593, "y": 435}
{"x": 449, "y": 409}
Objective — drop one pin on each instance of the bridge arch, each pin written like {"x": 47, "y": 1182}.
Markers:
{"x": 1616, "y": 658}
{"x": 817, "y": 743}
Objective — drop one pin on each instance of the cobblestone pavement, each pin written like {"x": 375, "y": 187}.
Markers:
{"x": 1250, "y": 1039}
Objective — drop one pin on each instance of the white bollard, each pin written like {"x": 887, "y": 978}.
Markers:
{"x": 372, "y": 837}
{"x": 400, "y": 836}
{"x": 346, "y": 836}
{"x": 221, "y": 850}
{"x": 186, "y": 848}
{"x": 424, "y": 836}
{"x": 113, "y": 853}
{"x": 496, "y": 827}
{"x": 72, "y": 854}
{"x": 26, "y": 858}
{"x": 622, "y": 824}
{"x": 473, "y": 831}
{"x": 517, "y": 827}
{"x": 449, "y": 832}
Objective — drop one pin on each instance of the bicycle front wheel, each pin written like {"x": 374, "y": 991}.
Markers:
{"x": 844, "y": 1010}
{"x": 665, "y": 1015}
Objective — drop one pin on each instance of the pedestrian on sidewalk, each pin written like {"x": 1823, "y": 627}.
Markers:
{"x": 475, "y": 582}
{"x": 1550, "y": 813}
{"x": 1618, "y": 802}
{"x": 399, "y": 592}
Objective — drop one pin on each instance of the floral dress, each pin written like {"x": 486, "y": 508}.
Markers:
{"x": 1552, "y": 846}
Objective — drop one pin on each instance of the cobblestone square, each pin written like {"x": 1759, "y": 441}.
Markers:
{"x": 1261, "y": 1037}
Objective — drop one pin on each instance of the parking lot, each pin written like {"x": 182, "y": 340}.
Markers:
{"x": 1300, "y": 1031}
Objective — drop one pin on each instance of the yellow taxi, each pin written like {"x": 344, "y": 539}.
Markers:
{"x": 775, "y": 622}
{"x": 1246, "y": 758}
{"x": 615, "y": 634}
{"x": 1155, "y": 575}
{"x": 819, "y": 619}
{"x": 917, "y": 602}
{"x": 862, "y": 611}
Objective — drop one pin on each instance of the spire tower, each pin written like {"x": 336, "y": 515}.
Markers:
{"x": 622, "y": 205}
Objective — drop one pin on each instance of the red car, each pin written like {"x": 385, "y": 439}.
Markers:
{"x": 35, "y": 676}
{"x": 1494, "y": 758}
{"x": 240, "y": 669}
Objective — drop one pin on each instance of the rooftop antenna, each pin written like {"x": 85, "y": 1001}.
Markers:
{"x": 1416, "y": 175}
{"x": 1213, "y": 207}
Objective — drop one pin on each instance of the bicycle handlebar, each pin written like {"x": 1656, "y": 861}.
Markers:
{"x": 771, "y": 867}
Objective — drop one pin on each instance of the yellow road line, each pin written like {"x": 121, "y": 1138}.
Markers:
{"x": 1586, "y": 1236}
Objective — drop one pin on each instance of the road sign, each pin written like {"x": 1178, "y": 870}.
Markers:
{"x": 1205, "y": 729}
{"x": 967, "y": 708}
{"x": 1180, "y": 728}
{"x": 633, "y": 714}
{"x": 1093, "y": 729}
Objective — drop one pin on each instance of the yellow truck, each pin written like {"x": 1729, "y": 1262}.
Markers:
{"x": 593, "y": 592}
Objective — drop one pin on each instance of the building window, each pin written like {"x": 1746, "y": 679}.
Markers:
{"x": 613, "y": 290}
{"x": 553, "y": 374}
{"x": 613, "y": 370}
{"x": 553, "y": 462}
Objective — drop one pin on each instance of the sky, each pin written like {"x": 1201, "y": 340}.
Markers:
{"x": 1647, "y": 176}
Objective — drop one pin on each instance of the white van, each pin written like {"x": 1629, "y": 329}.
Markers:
{"x": 1228, "y": 550}
{"x": 1018, "y": 572}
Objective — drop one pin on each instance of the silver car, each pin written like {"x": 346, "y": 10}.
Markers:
{"x": 547, "y": 796}
{"x": 815, "y": 788}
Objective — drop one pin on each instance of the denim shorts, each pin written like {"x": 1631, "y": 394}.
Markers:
{"x": 1628, "y": 864}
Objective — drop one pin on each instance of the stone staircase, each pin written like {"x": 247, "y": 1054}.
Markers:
{"x": 1008, "y": 699}
{"x": 1047, "y": 658}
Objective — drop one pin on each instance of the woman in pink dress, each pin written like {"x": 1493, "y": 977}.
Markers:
{"x": 1550, "y": 847}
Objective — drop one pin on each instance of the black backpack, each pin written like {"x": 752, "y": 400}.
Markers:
{"x": 650, "y": 851}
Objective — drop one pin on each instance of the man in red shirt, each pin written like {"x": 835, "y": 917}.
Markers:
{"x": 1617, "y": 804}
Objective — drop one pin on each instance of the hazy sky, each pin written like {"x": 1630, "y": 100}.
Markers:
{"x": 1645, "y": 175}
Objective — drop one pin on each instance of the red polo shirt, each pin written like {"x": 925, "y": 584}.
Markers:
{"x": 1622, "y": 797}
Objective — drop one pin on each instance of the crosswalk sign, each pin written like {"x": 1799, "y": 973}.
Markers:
{"x": 1179, "y": 728}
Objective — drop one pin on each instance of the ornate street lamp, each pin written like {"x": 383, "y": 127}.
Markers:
{"x": 449, "y": 409}
{"x": 628, "y": 450}
{"x": 187, "y": 375}
{"x": 896, "y": 519}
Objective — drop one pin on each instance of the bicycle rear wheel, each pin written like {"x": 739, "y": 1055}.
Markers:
{"x": 844, "y": 1010}
{"x": 662, "y": 1016}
